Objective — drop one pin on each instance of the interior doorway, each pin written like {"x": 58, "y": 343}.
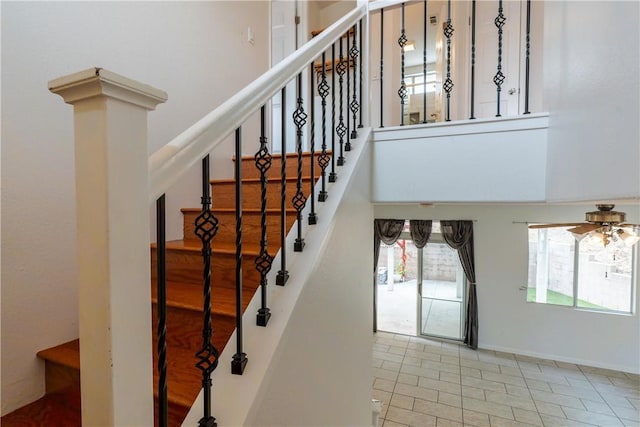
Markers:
{"x": 421, "y": 292}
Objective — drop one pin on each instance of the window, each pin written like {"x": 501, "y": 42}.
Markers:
{"x": 584, "y": 274}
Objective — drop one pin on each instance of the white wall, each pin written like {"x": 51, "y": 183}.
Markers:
{"x": 323, "y": 375}
{"x": 592, "y": 90}
{"x": 195, "y": 51}
{"x": 507, "y": 322}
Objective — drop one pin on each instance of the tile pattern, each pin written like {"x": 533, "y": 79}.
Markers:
{"x": 425, "y": 382}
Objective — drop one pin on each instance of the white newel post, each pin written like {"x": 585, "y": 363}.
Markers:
{"x": 114, "y": 291}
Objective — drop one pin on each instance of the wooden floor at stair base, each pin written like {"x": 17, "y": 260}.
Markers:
{"x": 58, "y": 409}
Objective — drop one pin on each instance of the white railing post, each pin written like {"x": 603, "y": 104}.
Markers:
{"x": 112, "y": 205}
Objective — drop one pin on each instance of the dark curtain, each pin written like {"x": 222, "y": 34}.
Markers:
{"x": 420, "y": 231}
{"x": 459, "y": 235}
{"x": 386, "y": 231}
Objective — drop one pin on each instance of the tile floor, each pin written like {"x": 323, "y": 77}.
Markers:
{"x": 431, "y": 383}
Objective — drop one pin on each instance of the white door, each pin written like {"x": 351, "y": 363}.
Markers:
{"x": 283, "y": 43}
{"x": 487, "y": 59}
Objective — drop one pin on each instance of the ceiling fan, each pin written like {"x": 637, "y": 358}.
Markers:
{"x": 604, "y": 223}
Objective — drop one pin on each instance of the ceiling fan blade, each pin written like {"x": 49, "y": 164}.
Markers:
{"x": 584, "y": 228}
{"x": 568, "y": 224}
{"x": 625, "y": 225}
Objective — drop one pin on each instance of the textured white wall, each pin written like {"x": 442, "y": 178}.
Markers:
{"x": 196, "y": 51}
{"x": 592, "y": 90}
{"x": 507, "y": 322}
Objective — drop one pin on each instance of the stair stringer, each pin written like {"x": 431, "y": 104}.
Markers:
{"x": 239, "y": 400}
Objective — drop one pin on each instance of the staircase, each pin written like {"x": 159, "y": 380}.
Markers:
{"x": 61, "y": 404}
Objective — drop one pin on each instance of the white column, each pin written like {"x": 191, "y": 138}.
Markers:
{"x": 114, "y": 290}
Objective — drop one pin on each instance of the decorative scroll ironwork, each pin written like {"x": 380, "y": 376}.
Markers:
{"x": 402, "y": 92}
{"x": 347, "y": 142}
{"x": 239, "y": 360}
{"x": 353, "y": 52}
{"x": 499, "y": 78}
{"x": 448, "y": 83}
{"x": 527, "y": 58}
{"x": 283, "y": 274}
{"x": 333, "y": 176}
{"x": 299, "y": 199}
{"x": 161, "y": 286}
{"x": 381, "y": 66}
{"x": 263, "y": 260}
{"x": 341, "y": 129}
{"x": 360, "y": 69}
{"x": 313, "y": 217}
{"x": 473, "y": 59}
{"x": 323, "y": 158}
{"x": 206, "y": 228}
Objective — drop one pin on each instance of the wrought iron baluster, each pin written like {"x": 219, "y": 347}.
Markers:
{"x": 333, "y": 176}
{"x": 354, "y": 101}
{"x": 527, "y": 58}
{"x": 313, "y": 217}
{"x": 402, "y": 92}
{"x": 499, "y": 78}
{"x": 206, "y": 227}
{"x": 341, "y": 129}
{"x": 381, "y": 67}
{"x": 283, "y": 274}
{"x": 239, "y": 360}
{"x": 448, "y": 83}
{"x": 323, "y": 159}
{"x": 161, "y": 286}
{"x": 299, "y": 199}
{"x": 360, "y": 80}
{"x": 347, "y": 142}
{"x": 263, "y": 260}
{"x": 424, "y": 62}
{"x": 473, "y": 58}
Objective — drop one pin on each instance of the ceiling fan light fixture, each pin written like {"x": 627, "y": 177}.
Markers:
{"x": 629, "y": 239}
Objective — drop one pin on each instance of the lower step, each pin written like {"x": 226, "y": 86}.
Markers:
{"x": 60, "y": 408}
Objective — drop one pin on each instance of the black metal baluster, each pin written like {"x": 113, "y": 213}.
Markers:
{"x": 381, "y": 66}
{"x": 360, "y": 80}
{"x": 498, "y": 79}
{"x": 299, "y": 199}
{"x": 239, "y": 360}
{"x": 313, "y": 217}
{"x": 333, "y": 176}
{"x": 263, "y": 260}
{"x": 402, "y": 92}
{"x": 347, "y": 142}
{"x": 424, "y": 62}
{"x": 283, "y": 274}
{"x": 448, "y": 83}
{"x": 473, "y": 58}
{"x": 341, "y": 129}
{"x": 206, "y": 227}
{"x": 161, "y": 286}
{"x": 528, "y": 54}
{"x": 354, "y": 101}
{"x": 323, "y": 159}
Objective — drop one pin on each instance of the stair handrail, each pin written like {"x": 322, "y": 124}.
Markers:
{"x": 173, "y": 160}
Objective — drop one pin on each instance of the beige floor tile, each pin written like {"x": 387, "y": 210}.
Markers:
{"x": 447, "y": 387}
{"x": 630, "y": 423}
{"x": 385, "y": 374}
{"x": 441, "y": 422}
{"x": 579, "y": 383}
{"x": 449, "y": 377}
{"x": 401, "y": 401}
{"x": 397, "y": 350}
{"x": 408, "y": 379}
{"x": 423, "y": 355}
{"x": 384, "y": 397}
{"x": 508, "y": 370}
{"x": 529, "y": 417}
{"x": 626, "y": 382}
{"x": 391, "y": 366}
{"x": 467, "y": 353}
{"x": 410, "y": 418}
{"x": 591, "y": 417}
{"x": 415, "y": 346}
{"x": 476, "y": 393}
{"x": 597, "y": 379}
{"x": 581, "y": 393}
{"x": 548, "y": 378}
{"x": 390, "y": 341}
{"x": 602, "y": 371}
{"x": 517, "y": 391}
{"x": 388, "y": 356}
{"x": 384, "y": 385}
{"x": 497, "y": 360}
{"x": 502, "y": 422}
{"x": 550, "y": 421}
{"x": 568, "y": 373}
{"x": 473, "y": 418}
{"x": 389, "y": 423}
{"x": 537, "y": 385}
{"x": 412, "y": 361}
{"x": 439, "y": 410}
{"x": 470, "y": 372}
{"x": 381, "y": 347}
{"x": 502, "y": 378}
{"x": 627, "y": 413}
{"x": 450, "y": 399}
{"x": 451, "y": 360}
{"x": 551, "y": 409}
{"x": 616, "y": 390}
{"x": 535, "y": 360}
{"x": 376, "y": 363}
{"x": 617, "y": 400}
{"x": 483, "y": 384}
{"x": 419, "y": 392}
{"x": 558, "y": 399}
{"x": 529, "y": 366}
{"x": 454, "y": 369}
{"x": 483, "y": 366}
{"x": 599, "y": 407}
{"x": 634, "y": 402}
{"x": 421, "y": 372}
{"x": 489, "y": 408}
{"x": 522, "y": 402}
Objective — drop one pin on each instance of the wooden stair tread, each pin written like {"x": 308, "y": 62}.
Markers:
{"x": 61, "y": 408}
{"x": 279, "y": 155}
{"x": 189, "y": 297}
{"x": 67, "y": 354}
{"x": 257, "y": 180}
{"x": 227, "y": 249}
{"x": 244, "y": 210}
